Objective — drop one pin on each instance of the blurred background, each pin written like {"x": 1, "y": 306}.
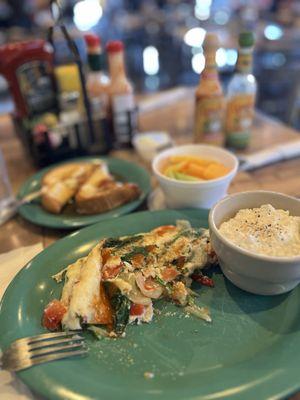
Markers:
{"x": 163, "y": 40}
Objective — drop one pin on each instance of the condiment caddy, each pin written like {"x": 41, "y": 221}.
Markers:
{"x": 64, "y": 111}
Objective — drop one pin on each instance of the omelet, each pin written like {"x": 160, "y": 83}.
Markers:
{"x": 118, "y": 281}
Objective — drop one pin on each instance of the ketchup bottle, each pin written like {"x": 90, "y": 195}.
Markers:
{"x": 28, "y": 68}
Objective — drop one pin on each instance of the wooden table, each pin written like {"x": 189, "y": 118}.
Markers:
{"x": 171, "y": 111}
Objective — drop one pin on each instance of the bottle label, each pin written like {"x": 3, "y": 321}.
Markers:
{"x": 210, "y": 74}
{"x": 209, "y": 120}
{"x": 124, "y": 118}
{"x": 244, "y": 63}
{"x": 210, "y": 59}
{"x": 239, "y": 118}
{"x": 37, "y": 87}
{"x": 95, "y": 61}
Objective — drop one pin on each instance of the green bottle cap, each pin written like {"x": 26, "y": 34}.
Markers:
{"x": 246, "y": 39}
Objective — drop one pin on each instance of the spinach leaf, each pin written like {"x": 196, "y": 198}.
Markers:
{"x": 191, "y": 232}
{"x": 121, "y": 305}
{"x": 116, "y": 242}
{"x": 167, "y": 285}
{"x": 136, "y": 250}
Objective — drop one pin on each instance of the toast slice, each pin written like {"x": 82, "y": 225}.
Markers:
{"x": 101, "y": 193}
{"x": 60, "y": 184}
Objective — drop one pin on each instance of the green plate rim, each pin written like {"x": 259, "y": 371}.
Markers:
{"x": 48, "y": 220}
{"x": 269, "y": 386}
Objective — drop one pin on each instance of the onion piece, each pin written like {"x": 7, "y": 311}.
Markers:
{"x": 154, "y": 291}
{"x": 200, "y": 312}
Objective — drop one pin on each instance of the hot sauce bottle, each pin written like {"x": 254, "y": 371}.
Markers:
{"x": 123, "y": 106}
{"x": 210, "y": 102}
{"x": 97, "y": 80}
{"x": 241, "y": 94}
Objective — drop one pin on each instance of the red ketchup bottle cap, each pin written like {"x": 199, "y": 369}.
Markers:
{"x": 92, "y": 40}
{"x": 113, "y": 46}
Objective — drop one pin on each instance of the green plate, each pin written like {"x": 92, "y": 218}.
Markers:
{"x": 251, "y": 350}
{"x": 124, "y": 170}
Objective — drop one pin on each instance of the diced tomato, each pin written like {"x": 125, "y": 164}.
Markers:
{"x": 136, "y": 309}
{"x": 137, "y": 260}
{"x": 164, "y": 229}
{"x": 111, "y": 271}
{"x": 150, "y": 248}
{"x": 169, "y": 273}
{"x": 203, "y": 280}
{"x": 53, "y": 314}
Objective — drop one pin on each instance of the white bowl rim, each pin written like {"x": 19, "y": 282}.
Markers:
{"x": 275, "y": 259}
{"x": 138, "y": 136}
{"x": 232, "y": 171}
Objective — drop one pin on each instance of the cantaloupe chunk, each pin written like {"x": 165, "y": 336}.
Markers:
{"x": 174, "y": 167}
{"x": 193, "y": 159}
{"x": 215, "y": 170}
{"x": 194, "y": 170}
{"x": 187, "y": 167}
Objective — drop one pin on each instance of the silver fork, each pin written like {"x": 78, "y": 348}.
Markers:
{"x": 12, "y": 210}
{"x": 26, "y": 352}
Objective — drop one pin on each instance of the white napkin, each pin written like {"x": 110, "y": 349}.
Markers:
{"x": 10, "y": 264}
{"x": 283, "y": 151}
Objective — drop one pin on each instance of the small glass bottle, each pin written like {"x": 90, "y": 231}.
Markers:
{"x": 210, "y": 102}
{"x": 241, "y": 95}
{"x": 124, "y": 111}
{"x": 97, "y": 80}
{"x": 98, "y": 92}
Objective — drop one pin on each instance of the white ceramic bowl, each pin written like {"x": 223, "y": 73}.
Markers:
{"x": 147, "y": 144}
{"x": 201, "y": 194}
{"x": 254, "y": 273}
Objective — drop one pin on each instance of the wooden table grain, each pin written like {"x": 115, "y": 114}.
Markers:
{"x": 171, "y": 111}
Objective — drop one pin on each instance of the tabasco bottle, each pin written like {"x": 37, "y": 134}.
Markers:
{"x": 241, "y": 94}
{"x": 210, "y": 102}
{"x": 124, "y": 114}
{"x": 97, "y": 80}
{"x": 98, "y": 85}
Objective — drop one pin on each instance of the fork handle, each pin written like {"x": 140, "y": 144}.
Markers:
{"x": 29, "y": 197}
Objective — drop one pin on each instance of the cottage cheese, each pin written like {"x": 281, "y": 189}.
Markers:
{"x": 264, "y": 230}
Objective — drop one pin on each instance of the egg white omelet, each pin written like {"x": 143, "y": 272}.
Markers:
{"x": 117, "y": 282}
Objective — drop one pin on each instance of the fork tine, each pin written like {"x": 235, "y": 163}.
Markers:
{"x": 48, "y": 343}
{"x": 54, "y": 349}
{"x": 58, "y": 356}
{"x": 44, "y": 336}
{"x": 24, "y": 364}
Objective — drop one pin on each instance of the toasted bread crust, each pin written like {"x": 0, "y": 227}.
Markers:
{"x": 109, "y": 197}
{"x": 93, "y": 188}
{"x": 61, "y": 184}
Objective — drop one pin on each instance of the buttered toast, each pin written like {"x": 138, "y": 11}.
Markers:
{"x": 90, "y": 185}
{"x": 60, "y": 184}
{"x": 102, "y": 193}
